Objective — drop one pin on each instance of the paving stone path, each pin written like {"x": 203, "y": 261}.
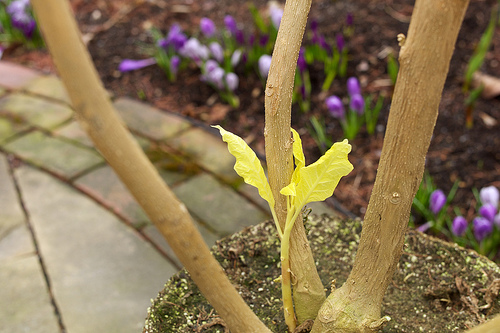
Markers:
{"x": 77, "y": 253}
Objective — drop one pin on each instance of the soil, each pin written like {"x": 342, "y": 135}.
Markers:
{"x": 116, "y": 30}
{"x": 437, "y": 287}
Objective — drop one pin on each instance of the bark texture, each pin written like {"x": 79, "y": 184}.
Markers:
{"x": 308, "y": 291}
{"x": 424, "y": 61}
{"x": 95, "y": 113}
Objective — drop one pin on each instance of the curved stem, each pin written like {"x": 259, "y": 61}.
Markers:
{"x": 98, "y": 118}
{"x": 424, "y": 57}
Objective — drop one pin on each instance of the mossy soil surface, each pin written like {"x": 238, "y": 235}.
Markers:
{"x": 438, "y": 286}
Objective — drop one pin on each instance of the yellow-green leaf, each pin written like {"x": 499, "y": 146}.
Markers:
{"x": 247, "y": 164}
{"x": 289, "y": 190}
{"x": 319, "y": 180}
{"x": 298, "y": 154}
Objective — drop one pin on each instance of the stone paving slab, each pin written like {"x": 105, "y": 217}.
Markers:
{"x": 74, "y": 132}
{"x": 218, "y": 206}
{"x": 24, "y": 299}
{"x": 102, "y": 274}
{"x": 149, "y": 121}
{"x": 36, "y": 111}
{"x": 13, "y": 76}
{"x": 59, "y": 156}
{"x": 152, "y": 232}
{"x": 10, "y": 127}
{"x": 11, "y": 213}
{"x": 49, "y": 86}
{"x": 209, "y": 151}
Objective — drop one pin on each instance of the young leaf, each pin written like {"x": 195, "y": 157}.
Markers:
{"x": 298, "y": 154}
{"x": 319, "y": 180}
{"x": 247, "y": 164}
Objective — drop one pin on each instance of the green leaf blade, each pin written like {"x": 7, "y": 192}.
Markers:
{"x": 319, "y": 180}
{"x": 247, "y": 164}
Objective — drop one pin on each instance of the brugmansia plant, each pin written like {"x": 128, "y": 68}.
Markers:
{"x": 315, "y": 182}
{"x": 356, "y": 306}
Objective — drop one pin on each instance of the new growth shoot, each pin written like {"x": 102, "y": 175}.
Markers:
{"x": 315, "y": 182}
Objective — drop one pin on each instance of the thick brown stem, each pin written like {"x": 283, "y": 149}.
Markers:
{"x": 308, "y": 291}
{"x": 96, "y": 115}
{"x": 424, "y": 60}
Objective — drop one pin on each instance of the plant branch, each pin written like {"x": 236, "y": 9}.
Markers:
{"x": 308, "y": 290}
{"x": 95, "y": 113}
{"x": 424, "y": 59}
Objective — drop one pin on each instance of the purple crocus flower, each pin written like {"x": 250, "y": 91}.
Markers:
{"x": 216, "y": 51}
{"x": 459, "y": 226}
{"x": 240, "y": 37}
{"x": 175, "y": 38}
{"x": 424, "y": 227}
{"x": 128, "y": 65}
{"x": 264, "y": 65}
{"x": 482, "y": 228}
{"x": 488, "y": 211}
{"x": 216, "y": 77}
{"x": 353, "y": 86}
{"x": 232, "y": 81}
{"x": 175, "y": 61}
{"x": 207, "y": 27}
{"x": 489, "y": 195}
{"x": 194, "y": 50}
{"x": 349, "y": 19}
{"x": 335, "y": 106}
{"x": 357, "y": 104}
{"x": 231, "y": 25}
{"x": 276, "y": 14}
{"x": 324, "y": 45}
{"x": 210, "y": 65}
{"x": 496, "y": 221}
{"x": 340, "y": 41}
{"x": 235, "y": 58}
{"x": 263, "y": 40}
{"x": 301, "y": 60}
{"x": 20, "y": 18}
{"x": 437, "y": 201}
{"x": 314, "y": 26}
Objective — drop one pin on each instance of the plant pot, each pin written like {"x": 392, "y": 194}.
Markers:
{"x": 437, "y": 287}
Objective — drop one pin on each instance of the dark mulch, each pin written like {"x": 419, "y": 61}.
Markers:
{"x": 117, "y": 30}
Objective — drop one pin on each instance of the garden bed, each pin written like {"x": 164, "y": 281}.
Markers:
{"x": 118, "y": 30}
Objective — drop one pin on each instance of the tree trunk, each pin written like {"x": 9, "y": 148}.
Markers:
{"x": 308, "y": 291}
{"x": 424, "y": 60}
{"x": 97, "y": 117}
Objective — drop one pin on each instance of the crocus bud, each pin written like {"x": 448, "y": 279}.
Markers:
{"x": 339, "y": 38}
{"x": 175, "y": 38}
{"x": 349, "y": 19}
{"x": 301, "y": 60}
{"x": 459, "y": 226}
{"x": 235, "y": 58}
{"x": 216, "y": 51}
{"x": 264, "y": 65}
{"x": 231, "y": 25}
{"x": 314, "y": 26}
{"x": 353, "y": 86}
{"x": 357, "y": 104}
{"x": 437, "y": 201}
{"x": 194, "y": 50}
{"x": 335, "y": 107}
{"x": 216, "y": 77}
{"x": 128, "y": 65}
{"x": 174, "y": 64}
{"x": 424, "y": 227}
{"x": 207, "y": 27}
{"x": 276, "y": 14}
{"x": 482, "y": 228}
{"x": 232, "y": 81}
{"x": 210, "y": 65}
{"x": 488, "y": 211}
{"x": 489, "y": 195}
